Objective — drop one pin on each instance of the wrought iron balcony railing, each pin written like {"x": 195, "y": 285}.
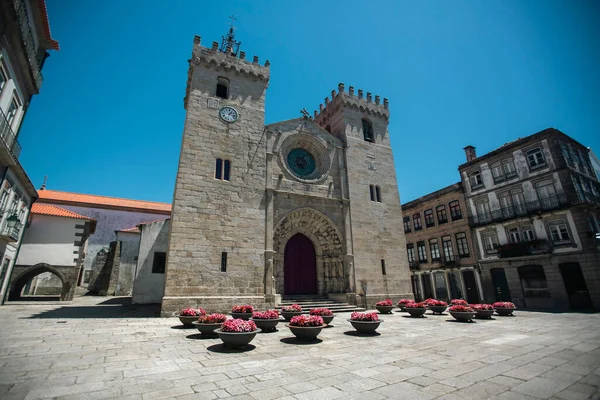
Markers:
{"x": 8, "y": 136}
{"x": 533, "y": 247}
{"x": 520, "y": 210}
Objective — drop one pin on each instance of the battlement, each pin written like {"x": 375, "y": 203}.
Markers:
{"x": 350, "y": 99}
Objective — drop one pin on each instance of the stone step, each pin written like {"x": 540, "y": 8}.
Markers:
{"x": 308, "y": 302}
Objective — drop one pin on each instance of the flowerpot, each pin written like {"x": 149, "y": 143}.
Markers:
{"x": 402, "y": 308}
{"x": 187, "y": 320}
{"x": 266, "y": 325}
{"x": 415, "y": 312}
{"x": 288, "y": 315}
{"x": 207, "y": 329}
{"x": 243, "y": 315}
{"x": 327, "y": 318}
{"x": 438, "y": 309}
{"x": 236, "y": 339}
{"x": 504, "y": 312}
{"x": 384, "y": 309}
{"x": 462, "y": 316}
{"x": 365, "y": 326}
{"x": 306, "y": 333}
{"x": 484, "y": 314}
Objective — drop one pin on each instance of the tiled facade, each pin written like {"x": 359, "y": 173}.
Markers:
{"x": 533, "y": 206}
{"x": 441, "y": 253}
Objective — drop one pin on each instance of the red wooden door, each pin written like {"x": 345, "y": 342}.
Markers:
{"x": 299, "y": 266}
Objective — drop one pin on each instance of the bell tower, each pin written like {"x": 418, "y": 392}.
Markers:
{"x": 377, "y": 245}
{"x": 216, "y": 246}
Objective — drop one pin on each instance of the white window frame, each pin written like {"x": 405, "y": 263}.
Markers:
{"x": 564, "y": 236}
{"x": 490, "y": 242}
{"x": 527, "y": 233}
{"x": 535, "y": 158}
{"x": 514, "y": 236}
{"x": 476, "y": 180}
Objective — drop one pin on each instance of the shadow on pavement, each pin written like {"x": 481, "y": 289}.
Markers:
{"x": 101, "y": 311}
{"x": 199, "y": 336}
{"x": 293, "y": 340}
{"x": 355, "y": 333}
{"x": 183, "y": 327}
{"x": 220, "y": 348}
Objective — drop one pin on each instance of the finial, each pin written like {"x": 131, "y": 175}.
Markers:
{"x": 332, "y": 95}
{"x": 360, "y": 93}
{"x": 267, "y": 63}
{"x": 376, "y": 99}
{"x": 215, "y": 46}
{"x": 228, "y": 43}
{"x": 242, "y": 55}
{"x": 305, "y": 113}
{"x": 326, "y": 101}
{"x": 315, "y": 114}
{"x": 197, "y": 39}
{"x": 341, "y": 87}
{"x": 369, "y": 97}
{"x": 351, "y": 90}
{"x": 385, "y": 103}
{"x": 255, "y": 60}
{"x": 43, "y": 187}
{"x": 321, "y": 107}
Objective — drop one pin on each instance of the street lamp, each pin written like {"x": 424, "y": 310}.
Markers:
{"x": 12, "y": 221}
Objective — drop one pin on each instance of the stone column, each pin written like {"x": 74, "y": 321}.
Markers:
{"x": 348, "y": 260}
{"x": 268, "y": 276}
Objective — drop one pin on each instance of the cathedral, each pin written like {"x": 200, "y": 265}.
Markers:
{"x": 305, "y": 206}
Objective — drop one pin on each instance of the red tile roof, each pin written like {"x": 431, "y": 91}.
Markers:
{"x": 135, "y": 229}
{"x": 44, "y": 16}
{"x": 48, "y": 209}
{"x": 78, "y": 199}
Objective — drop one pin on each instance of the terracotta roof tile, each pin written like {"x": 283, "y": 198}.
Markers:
{"x": 55, "y": 196}
{"x": 48, "y": 209}
{"x": 44, "y": 16}
{"x": 135, "y": 229}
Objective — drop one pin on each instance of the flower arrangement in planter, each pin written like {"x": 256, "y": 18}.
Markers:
{"x": 416, "y": 309}
{"x": 458, "y": 302}
{"x": 483, "y": 311}
{"x": 462, "y": 313}
{"x": 237, "y": 332}
{"x": 324, "y": 313}
{"x": 504, "y": 308}
{"x": 306, "y": 327}
{"x": 291, "y": 311}
{"x": 207, "y": 324}
{"x": 365, "y": 322}
{"x": 403, "y": 302}
{"x": 426, "y": 301}
{"x": 437, "y": 306}
{"x": 244, "y": 311}
{"x": 189, "y": 315}
{"x": 385, "y": 306}
{"x": 266, "y": 320}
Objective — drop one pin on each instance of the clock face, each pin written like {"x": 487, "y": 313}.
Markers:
{"x": 228, "y": 114}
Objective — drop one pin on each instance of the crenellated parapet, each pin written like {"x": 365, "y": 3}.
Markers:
{"x": 225, "y": 60}
{"x": 351, "y": 99}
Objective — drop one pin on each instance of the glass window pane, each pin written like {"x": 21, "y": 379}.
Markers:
{"x": 226, "y": 170}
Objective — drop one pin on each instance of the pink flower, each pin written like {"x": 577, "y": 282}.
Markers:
{"x": 458, "y": 302}
{"x": 437, "y": 303}
{"x": 416, "y": 305}
{"x": 370, "y": 316}
{"x": 292, "y": 308}
{"x": 321, "y": 311}
{"x": 192, "y": 312}
{"x": 238, "y": 325}
{"x": 503, "y": 304}
{"x": 405, "y": 301}
{"x": 306, "y": 320}
{"x": 426, "y": 301}
{"x": 246, "y": 308}
{"x": 461, "y": 308}
{"x": 477, "y": 307}
{"x": 212, "y": 319}
{"x": 387, "y": 302}
{"x": 269, "y": 314}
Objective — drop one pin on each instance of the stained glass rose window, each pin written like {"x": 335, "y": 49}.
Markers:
{"x": 301, "y": 162}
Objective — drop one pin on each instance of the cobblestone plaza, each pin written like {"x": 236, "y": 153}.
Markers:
{"x": 103, "y": 348}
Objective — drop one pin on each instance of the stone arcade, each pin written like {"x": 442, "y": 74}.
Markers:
{"x": 304, "y": 206}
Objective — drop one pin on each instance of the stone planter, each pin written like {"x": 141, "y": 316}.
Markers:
{"x": 365, "y": 326}
{"x": 288, "y": 315}
{"x": 415, "y": 312}
{"x": 384, "y": 309}
{"x": 207, "y": 329}
{"x": 504, "y": 312}
{"x": 484, "y": 314}
{"x": 306, "y": 333}
{"x": 236, "y": 339}
{"x": 327, "y": 318}
{"x": 241, "y": 315}
{"x": 266, "y": 325}
{"x": 462, "y": 316}
{"x": 188, "y": 320}
{"x": 438, "y": 309}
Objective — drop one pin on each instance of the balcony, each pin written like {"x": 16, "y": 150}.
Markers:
{"x": 8, "y": 136}
{"x": 521, "y": 210}
{"x": 413, "y": 265}
{"x": 533, "y": 247}
{"x": 11, "y": 233}
{"x": 28, "y": 42}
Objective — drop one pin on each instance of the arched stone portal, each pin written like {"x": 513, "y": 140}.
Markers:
{"x": 331, "y": 275}
{"x": 300, "y": 266}
{"x": 24, "y": 273}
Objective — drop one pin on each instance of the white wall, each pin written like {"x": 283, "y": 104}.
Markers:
{"x": 50, "y": 240}
{"x": 149, "y": 287}
{"x": 130, "y": 246}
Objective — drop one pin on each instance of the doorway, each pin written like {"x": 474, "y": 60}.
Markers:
{"x": 299, "y": 266}
{"x": 579, "y": 297}
{"x": 471, "y": 287}
{"x": 427, "y": 287}
{"x": 500, "y": 284}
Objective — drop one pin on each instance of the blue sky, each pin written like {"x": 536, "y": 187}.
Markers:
{"x": 110, "y": 115}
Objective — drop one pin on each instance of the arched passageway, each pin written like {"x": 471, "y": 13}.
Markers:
{"x": 22, "y": 275}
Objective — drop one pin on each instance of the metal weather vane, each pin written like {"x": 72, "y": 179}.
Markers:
{"x": 228, "y": 41}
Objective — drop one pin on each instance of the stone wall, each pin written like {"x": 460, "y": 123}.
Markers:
{"x": 149, "y": 285}
{"x": 130, "y": 245}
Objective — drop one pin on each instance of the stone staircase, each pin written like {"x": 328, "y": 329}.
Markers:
{"x": 308, "y": 302}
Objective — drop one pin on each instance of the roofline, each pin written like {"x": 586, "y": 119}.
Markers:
{"x": 104, "y": 206}
{"x": 455, "y": 187}
{"x": 46, "y": 25}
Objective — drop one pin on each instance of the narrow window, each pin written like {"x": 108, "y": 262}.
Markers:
{"x": 372, "y": 191}
{"x": 476, "y": 180}
{"x": 367, "y": 130}
{"x": 159, "y": 262}
{"x": 223, "y": 88}
{"x": 513, "y": 235}
{"x": 218, "y": 168}
{"x": 497, "y": 173}
{"x": 559, "y": 232}
{"x": 527, "y": 233}
{"x": 383, "y": 267}
{"x": 226, "y": 169}
{"x": 410, "y": 249}
{"x": 422, "y": 251}
{"x": 406, "y": 221}
{"x": 429, "y": 218}
{"x": 535, "y": 158}
{"x": 462, "y": 245}
{"x": 224, "y": 261}
{"x": 490, "y": 241}
{"x": 455, "y": 211}
{"x": 508, "y": 166}
{"x": 3, "y": 77}
{"x": 12, "y": 110}
{"x": 434, "y": 248}
{"x": 441, "y": 214}
{"x": 378, "y": 193}
{"x": 448, "y": 250}
{"x": 417, "y": 222}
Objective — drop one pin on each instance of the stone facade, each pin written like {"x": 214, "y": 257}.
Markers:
{"x": 439, "y": 219}
{"x": 308, "y": 176}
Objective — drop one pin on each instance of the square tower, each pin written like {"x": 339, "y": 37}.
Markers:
{"x": 216, "y": 243}
{"x": 377, "y": 242}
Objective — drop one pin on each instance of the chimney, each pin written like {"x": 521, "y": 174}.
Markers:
{"x": 470, "y": 153}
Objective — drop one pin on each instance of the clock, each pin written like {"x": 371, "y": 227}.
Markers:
{"x": 228, "y": 114}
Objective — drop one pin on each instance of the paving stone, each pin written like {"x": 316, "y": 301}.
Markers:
{"x": 541, "y": 387}
{"x": 528, "y": 371}
{"x": 325, "y": 393}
